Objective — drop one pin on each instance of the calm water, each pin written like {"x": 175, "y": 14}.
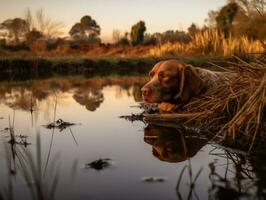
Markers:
{"x": 173, "y": 158}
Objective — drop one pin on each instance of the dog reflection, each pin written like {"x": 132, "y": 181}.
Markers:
{"x": 170, "y": 145}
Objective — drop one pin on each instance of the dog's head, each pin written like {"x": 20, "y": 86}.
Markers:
{"x": 171, "y": 81}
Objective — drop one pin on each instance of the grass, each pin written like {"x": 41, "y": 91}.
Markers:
{"x": 42, "y": 67}
{"x": 210, "y": 42}
{"x": 57, "y": 62}
{"x": 31, "y": 68}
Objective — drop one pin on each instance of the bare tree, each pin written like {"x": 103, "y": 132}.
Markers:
{"x": 48, "y": 27}
{"x": 251, "y": 6}
{"x": 45, "y": 25}
{"x": 29, "y": 19}
{"x": 116, "y": 35}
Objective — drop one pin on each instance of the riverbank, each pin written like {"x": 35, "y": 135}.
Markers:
{"x": 77, "y": 65}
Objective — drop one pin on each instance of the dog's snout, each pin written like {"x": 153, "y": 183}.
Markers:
{"x": 145, "y": 91}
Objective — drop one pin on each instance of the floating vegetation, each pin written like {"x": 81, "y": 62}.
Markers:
{"x": 133, "y": 117}
{"x": 99, "y": 164}
{"x": 153, "y": 179}
{"x": 150, "y": 108}
{"x": 59, "y": 124}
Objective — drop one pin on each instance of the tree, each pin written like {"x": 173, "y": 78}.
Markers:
{"x": 225, "y": 17}
{"x": 193, "y": 29}
{"x": 211, "y": 19}
{"x": 49, "y": 28}
{"x": 137, "y": 33}
{"x": 250, "y": 19}
{"x": 87, "y": 28}
{"x": 116, "y": 36}
{"x": 33, "y": 36}
{"x": 16, "y": 28}
{"x": 240, "y": 17}
{"x": 29, "y": 19}
{"x": 171, "y": 36}
{"x": 251, "y": 6}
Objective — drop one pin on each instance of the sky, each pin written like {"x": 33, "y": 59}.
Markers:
{"x": 159, "y": 15}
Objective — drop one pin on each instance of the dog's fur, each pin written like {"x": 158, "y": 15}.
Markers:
{"x": 172, "y": 83}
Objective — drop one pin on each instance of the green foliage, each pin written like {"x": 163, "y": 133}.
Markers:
{"x": 225, "y": 17}
{"x": 87, "y": 28}
{"x": 137, "y": 33}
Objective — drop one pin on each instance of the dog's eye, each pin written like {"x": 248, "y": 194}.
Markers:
{"x": 151, "y": 74}
{"x": 161, "y": 75}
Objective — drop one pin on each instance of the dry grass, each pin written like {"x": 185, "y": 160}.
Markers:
{"x": 237, "y": 107}
{"x": 210, "y": 42}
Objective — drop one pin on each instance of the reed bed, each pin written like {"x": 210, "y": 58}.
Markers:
{"x": 237, "y": 107}
{"x": 210, "y": 42}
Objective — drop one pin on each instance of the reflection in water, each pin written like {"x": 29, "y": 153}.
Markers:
{"x": 173, "y": 144}
{"x": 86, "y": 92}
{"x": 232, "y": 175}
{"x": 40, "y": 185}
{"x": 20, "y": 159}
{"x": 91, "y": 98}
{"x": 194, "y": 166}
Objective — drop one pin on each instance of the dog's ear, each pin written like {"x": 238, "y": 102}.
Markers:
{"x": 190, "y": 83}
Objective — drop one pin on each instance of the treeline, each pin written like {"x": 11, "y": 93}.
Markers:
{"x": 240, "y": 17}
{"x": 37, "y": 32}
{"x": 235, "y": 19}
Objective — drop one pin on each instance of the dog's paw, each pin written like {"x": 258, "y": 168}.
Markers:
{"x": 167, "y": 107}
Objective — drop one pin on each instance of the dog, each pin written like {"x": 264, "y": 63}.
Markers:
{"x": 172, "y": 83}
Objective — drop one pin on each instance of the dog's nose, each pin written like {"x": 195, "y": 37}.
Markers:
{"x": 145, "y": 91}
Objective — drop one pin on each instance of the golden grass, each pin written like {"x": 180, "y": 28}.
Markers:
{"x": 210, "y": 42}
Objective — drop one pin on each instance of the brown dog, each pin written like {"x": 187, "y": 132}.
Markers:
{"x": 172, "y": 82}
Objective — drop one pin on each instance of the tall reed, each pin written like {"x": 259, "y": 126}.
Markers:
{"x": 210, "y": 42}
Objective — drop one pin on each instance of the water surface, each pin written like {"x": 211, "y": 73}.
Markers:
{"x": 146, "y": 161}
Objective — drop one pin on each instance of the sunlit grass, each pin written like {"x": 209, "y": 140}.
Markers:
{"x": 210, "y": 42}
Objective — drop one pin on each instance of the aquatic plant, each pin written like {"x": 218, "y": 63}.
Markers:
{"x": 20, "y": 159}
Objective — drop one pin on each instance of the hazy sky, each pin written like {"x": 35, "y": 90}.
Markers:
{"x": 159, "y": 15}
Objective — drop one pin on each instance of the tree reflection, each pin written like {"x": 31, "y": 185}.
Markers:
{"x": 86, "y": 92}
{"x": 232, "y": 173}
{"x": 91, "y": 98}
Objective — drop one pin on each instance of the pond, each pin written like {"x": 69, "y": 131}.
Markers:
{"x": 101, "y": 156}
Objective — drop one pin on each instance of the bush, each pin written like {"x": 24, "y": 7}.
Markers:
{"x": 39, "y": 45}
